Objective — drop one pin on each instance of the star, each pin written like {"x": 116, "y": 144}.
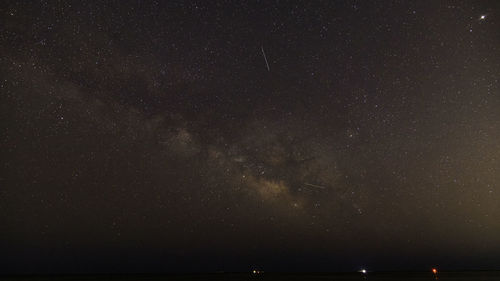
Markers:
{"x": 482, "y": 17}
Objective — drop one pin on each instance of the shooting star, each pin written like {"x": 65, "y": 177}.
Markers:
{"x": 315, "y": 185}
{"x": 265, "y": 58}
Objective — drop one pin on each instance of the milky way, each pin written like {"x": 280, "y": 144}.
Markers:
{"x": 147, "y": 136}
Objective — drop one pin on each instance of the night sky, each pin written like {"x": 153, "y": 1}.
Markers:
{"x": 141, "y": 136}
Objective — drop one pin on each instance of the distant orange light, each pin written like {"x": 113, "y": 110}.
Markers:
{"x": 435, "y": 271}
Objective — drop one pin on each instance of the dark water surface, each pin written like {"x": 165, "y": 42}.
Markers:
{"x": 413, "y": 276}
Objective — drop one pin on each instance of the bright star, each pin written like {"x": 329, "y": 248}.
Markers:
{"x": 482, "y": 17}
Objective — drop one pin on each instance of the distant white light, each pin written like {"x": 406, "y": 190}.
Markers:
{"x": 482, "y": 17}
{"x": 363, "y": 271}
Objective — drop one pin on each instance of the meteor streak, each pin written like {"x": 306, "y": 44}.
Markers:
{"x": 315, "y": 185}
{"x": 265, "y": 58}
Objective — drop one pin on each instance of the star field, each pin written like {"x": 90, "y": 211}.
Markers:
{"x": 201, "y": 136}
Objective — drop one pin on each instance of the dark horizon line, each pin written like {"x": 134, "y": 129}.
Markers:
{"x": 186, "y": 273}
